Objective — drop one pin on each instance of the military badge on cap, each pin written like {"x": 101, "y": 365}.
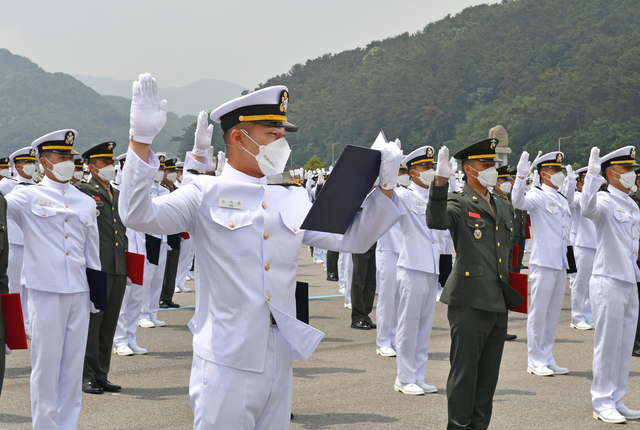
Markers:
{"x": 633, "y": 152}
{"x": 60, "y": 141}
{"x": 494, "y": 142}
{"x": 284, "y": 101}
{"x": 429, "y": 152}
{"x": 559, "y": 158}
{"x": 102, "y": 151}
{"x": 32, "y": 153}
{"x": 484, "y": 150}
{"x": 69, "y": 138}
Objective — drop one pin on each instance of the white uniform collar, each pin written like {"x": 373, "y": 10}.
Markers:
{"x": 55, "y": 185}
{"x": 228, "y": 172}
{"x": 548, "y": 189}
{"x": 616, "y": 192}
{"x": 18, "y": 177}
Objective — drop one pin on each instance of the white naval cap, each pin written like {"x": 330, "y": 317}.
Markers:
{"x": 266, "y": 106}
{"x": 424, "y": 154}
{"x": 60, "y": 141}
{"x": 550, "y": 159}
{"x": 26, "y": 153}
{"x": 180, "y": 165}
{"x": 581, "y": 171}
{"x": 625, "y": 156}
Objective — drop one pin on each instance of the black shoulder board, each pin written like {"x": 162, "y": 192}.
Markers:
{"x": 562, "y": 195}
{"x": 25, "y": 183}
{"x": 194, "y": 172}
{"x": 540, "y": 188}
{"x": 287, "y": 185}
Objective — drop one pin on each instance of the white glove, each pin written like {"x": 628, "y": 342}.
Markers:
{"x": 389, "y": 166}
{"x": 524, "y": 165}
{"x": 571, "y": 176}
{"x": 443, "y": 169}
{"x": 222, "y": 160}
{"x": 398, "y": 144}
{"x": 454, "y": 164}
{"x": 148, "y": 114}
{"x": 595, "y": 164}
{"x": 203, "y": 135}
{"x": 92, "y": 308}
{"x": 7, "y": 351}
{"x": 320, "y": 178}
{"x": 536, "y": 178}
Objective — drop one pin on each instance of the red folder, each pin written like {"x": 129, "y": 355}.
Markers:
{"x": 135, "y": 267}
{"x": 514, "y": 257}
{"x": 527, "y": 228}
{"x": 518, "y": 282}
{"x": 15, "y": 336}
{"x": 185, "y": 235}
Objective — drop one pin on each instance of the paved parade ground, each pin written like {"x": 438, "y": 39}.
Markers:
{"x": 344, "y": 385}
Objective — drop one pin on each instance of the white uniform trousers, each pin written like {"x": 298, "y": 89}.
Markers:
{"x": 319, "y": 254}
{"x": 187, "y": 252}
{"x": 345, "y": 272}
{"x": 388, "y": 298}
{"x": 615, "y": 311}
{"x": 580, "y": 304}
{"x": 129, "y": 315}
{"x": 547, "y": 293}
{"x": 415, "y": 318}
{"x": 59, "y": 323}
{"x": 14, "y": 272}
{"x": 223, "y": 398}
{"x": 152, "y": 283}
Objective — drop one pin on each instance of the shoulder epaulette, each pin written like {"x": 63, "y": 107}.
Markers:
{"x": 563, "y": 195}
{"x": 84, "y": 188}
{"x": 540, "y": 188}
{"x": 194, "y": 172}
{"x": 287, "y": 185}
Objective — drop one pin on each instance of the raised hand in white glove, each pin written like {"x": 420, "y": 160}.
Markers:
{"x": 571, "y": 175}
{"x": 320, "y": 178}
{"x": 524, "y": 165}
{"x": 148, "y": 113}
{"x": 536, "y": 178}
{"x": 222, "y": 160}
{"x": 454, "y": 164}
{"x": 595, "y": 164}
{"x": 389, "y": 166}
{"x": 444, "y": 167}
{"x": 92, "y": 307}
{"x": 203, "y": 135}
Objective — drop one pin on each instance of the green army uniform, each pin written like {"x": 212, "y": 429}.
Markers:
{"x": 519, "y": 229}
{"x": 4, "y": 280}
{"x": 173, "y": 254}
{"x": 113, "y": 247}
{"x": 477, "y": 292}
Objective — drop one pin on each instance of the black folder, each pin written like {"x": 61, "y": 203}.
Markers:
{"x": 344, "y": 191}
{"x": 446, "y": 264}
{"x": 97, "y": 280}
{"x": 302, "y": 302}
{"x": 152, "y": 245}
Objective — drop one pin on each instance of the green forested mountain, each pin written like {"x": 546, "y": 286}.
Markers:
{"x": 543, "y": 69}
{"x": 34, "y": 102}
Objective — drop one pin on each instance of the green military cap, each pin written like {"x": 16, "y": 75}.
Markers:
{"x": 102, "y": 151}
{"x": 4, "y": 162}
{"x": 170, "y": 164}
{"x": 484, "y": 150}
{"x": 504, "y": 171}
{"x": 78, "y": 163}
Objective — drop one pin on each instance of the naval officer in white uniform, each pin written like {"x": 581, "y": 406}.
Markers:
{"x": 613, "y": 290}
{"x": 24, "y": 172}
{"x": 550, "y": 217}
{"x": 60, "y": 243}
{"x": 247, "y": 238}
{"x": 418, "y": 269}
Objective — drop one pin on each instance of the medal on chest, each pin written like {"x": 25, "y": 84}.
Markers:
{"x": 477, "y": 233}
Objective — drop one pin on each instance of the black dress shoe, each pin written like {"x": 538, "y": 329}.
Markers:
{"x": 91, "y": 388}
{"x": 372, "y": 325}
{"x": 636, "y": 353}
{"x": 109, "y": 387}
{"x": 525, "y": 267}
{"x": 332, "y": 277}
{"x": 511, "y": 337}
{"x": 164, "y": 304}
{"x": 360, "y": 325}
{"x": 172, "y": 304}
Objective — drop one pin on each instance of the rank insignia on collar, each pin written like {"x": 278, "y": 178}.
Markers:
{"x": 474, "y": 198}
{"x": 32, "y": 153}
{"x": 477, "y": 233}
{"x": 284, "y": 101}
{"x": 69, "y": 138}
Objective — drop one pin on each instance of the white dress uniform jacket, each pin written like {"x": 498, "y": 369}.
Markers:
{"x": 551, "y": 219}
{"x": 583, "y": 230}
{"x": 247, "y": 238}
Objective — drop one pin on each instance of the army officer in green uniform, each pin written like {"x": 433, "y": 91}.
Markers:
{"x": 477, "y": 291}
{"x": 113, "y": 245}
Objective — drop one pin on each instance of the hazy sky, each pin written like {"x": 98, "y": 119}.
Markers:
{"x": 180, "y": 42}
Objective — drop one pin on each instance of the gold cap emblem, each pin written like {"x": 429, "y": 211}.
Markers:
{"x": 111, "y": 145}
{"x": 493, "y": 143}
{"x": 69, "y": 138}
{"x": 633, "y": 153}
{"x": 161, "y": 158}
{"x": 429, "y": 152}
{"x": 284, "y": 101}
{"x": 32, "y": 153}
{"x": 559, "y": 158}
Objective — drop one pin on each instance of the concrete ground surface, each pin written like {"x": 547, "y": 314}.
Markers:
{"x": 344, "y": 385}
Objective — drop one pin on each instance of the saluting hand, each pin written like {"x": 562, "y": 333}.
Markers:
{"x": 203, "y": 135}
{"x": 444, "y": 167}
{"x": 571, "y": 175}
{"x": 595, "y": 164}
{"x": 148, "y": 113}
{"x": 524, "y": 165}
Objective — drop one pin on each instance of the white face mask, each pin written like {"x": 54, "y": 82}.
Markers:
{"x": 159, "y": 176}
{"x": 29, "y": 171}
{"x": 627, "y": 180}
{"x": 505, "y": 187}
{"x": 487, "y": 177}
{"x": 557, "y": 179}
{"x": 271, "y": 158}
{"x": 78, "y": 175}
{"x": 404, "y": 180}
{"x": 171, "y": 177}
{"x": 63, "y": 171}
{"x": 5, "y": 172}
{"x": 107, "y": 173}
{"x": 634, "y": 188}
{"x": 179, "y": 178}
{"x": 427, "y": 176}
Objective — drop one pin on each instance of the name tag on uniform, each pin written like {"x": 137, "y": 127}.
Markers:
{"x": 552, "y": 204}
{"x": 45, "y": 203}
{"x": 418, "y": 203}
{"x": 230, "y": 204}
{"x": 619, "y": 209}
